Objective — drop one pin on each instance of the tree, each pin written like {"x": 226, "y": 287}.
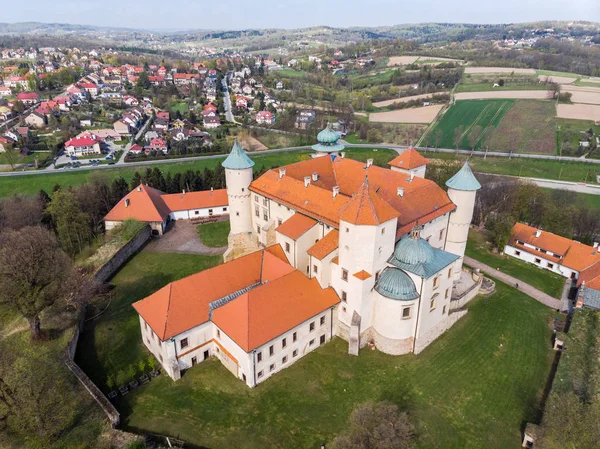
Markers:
{"x": 72, "y": 224}
{"x": 474, "y": 135}
{"x": 19, "y": 211}
{"x": 501, "y": 82}
{"x": 458, "y": 136}
{"x": 374, "y": 136}
{"x": 377, "y": 426}
{"x": 33, "y": 273}
{"x": 499, "y": 228}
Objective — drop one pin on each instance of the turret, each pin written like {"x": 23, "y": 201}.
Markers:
{"x": 328, "y": 143}
{"x": 462, "y": 190}
{"x": 238, "y": 177}
{"x": 410, "y": 162}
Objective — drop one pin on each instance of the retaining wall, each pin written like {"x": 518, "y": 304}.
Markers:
{"x": 129, "y": 249}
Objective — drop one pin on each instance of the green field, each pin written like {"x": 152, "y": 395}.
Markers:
{"x": 543, "y": 280}
{"x": 530, "y": 168}
{"x": 30, "y": 159}
{"x": 32, "y": 184}
{"x": 477, "y": 117}
{"x": 290, "y": 73}
{"x": 214, "y": 235}
{"x": 569, "y": 132}
{"x": 181, "y": 107}
{"x": 489, "y": 86}
{"x": 464, "y": 391}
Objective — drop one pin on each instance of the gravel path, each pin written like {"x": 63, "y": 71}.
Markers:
{"x": 525, "y": 288}
{"x": 181, "y": 237}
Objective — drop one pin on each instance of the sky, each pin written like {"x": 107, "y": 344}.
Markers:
{"x": 241, "y": 14}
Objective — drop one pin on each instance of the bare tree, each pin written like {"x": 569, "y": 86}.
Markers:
{"x": 33, "y": 272}
{"x": 458, "y": 136}
{"x": 474, "y": 135}
{"x": 19, "y": 211}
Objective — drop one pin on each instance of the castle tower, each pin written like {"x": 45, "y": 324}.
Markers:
{"x": 238, "y": 177}
{"x": 328, "y": 143}
{"x": 462, "y": 190}
{"x": 410, "y": 162}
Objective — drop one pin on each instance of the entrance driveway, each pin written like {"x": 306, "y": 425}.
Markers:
{"x": 181, "y": 237}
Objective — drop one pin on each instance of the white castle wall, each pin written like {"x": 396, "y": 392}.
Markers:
{"x": 460, "y": 220}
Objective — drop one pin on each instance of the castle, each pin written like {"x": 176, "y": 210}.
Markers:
{"x": 322, "y": 247}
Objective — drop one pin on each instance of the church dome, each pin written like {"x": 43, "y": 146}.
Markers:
{"x": 413, "y": 250}
{"x": 394, "y": 283}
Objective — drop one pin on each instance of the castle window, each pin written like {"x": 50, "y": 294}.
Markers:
{"x": 382, "y": 231}
{"x": 265, "y": 202}
{"x": 265, "y": 215}
{"x": 210, "y": 211}
{"x": 196, "y": 212}
{"x": 433, "y": 302}
{"x": 218, "y": 333}
{"x": 145, "y": 325}
{"x": 160, "y": 357}
{"x": 517, "y": 253}
{"x": 284, "y": 343}
{"x": 344, "y": 309}
{"x": 322, "y": 322}
{"x": 312, "y": 342}
{"x": 447, "y": 293}
{"x": 295, "y": 353}
{"x": 436, "y": 282}
{"x": 237, "y": 214}
{"x": 284, "y": 360}
{"x": 159, "y": 343}
{"x": 295, "y": 336}
{"x": 406, "y": 313}
{"x": 344, "y": 296}
{"x": 315, "y": 269}
{"x": 259, "y": 357}
{"x": 538, "y": 260}
{"x": 344, "y": 275}
{"x": 444, "y": 310}
{"x": 224, "y": 209}
{"x": 312, "y": 326}
{"x": 258, "y": 229}
{"x": 449, "y": 272}
{"x": 279, "y": 221}
{"x": 257, "y": 211}
{"x": 272, "y": 367}
{"x": 550, "y": 265}
{"x": 243, "y": 189}
{"x": 256, "y": 199}
{"x": 260, "y": 374}
{"x": 442, "y": 234}
{"x": 287, "y": 247}
{"x": 377, "y": 275}
{"x": 347, "y": 229}
{"x": 271, "y": 350}
{"x": 183, "y": 343}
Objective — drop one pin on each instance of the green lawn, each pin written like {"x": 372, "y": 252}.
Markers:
{"x": 475, "y": 116}
{"x": 41, "y": 155}
{"x": 215, "y": 234}
{"x": 489, "y": 86}
{"x": 32, "y": 184}
{"x": 111, "y": 343}
{"x": 181, "y": 107}
{"x": 464, "y": 391}
{"x": 544, "y": 280}
{"x": 531, "y": 168}
{"x": 291, "y": 73}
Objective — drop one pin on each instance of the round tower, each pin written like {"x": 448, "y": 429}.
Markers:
{"x": 328, "y": 143}
{"x": 462, "y": 190}
{"x": 238, "y": 176}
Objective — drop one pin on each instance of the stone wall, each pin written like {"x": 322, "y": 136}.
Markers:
{"x": 107, "y": 270}
{"x": 392, "y": 346}
{"x": 240, "y": 245}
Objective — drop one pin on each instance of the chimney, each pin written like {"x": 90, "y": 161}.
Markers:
{"x": 401, "y": 191}
{"x": 306, "y": 181}
{"x": 369, "y": 162}
{"x": 281, "y": 173}
{"x": 412, "y": 175}
{"x": 538, "y": 232}
{"x": 595, "y": 244}
{"x": 184, "y": 191}
{"x": 315, "y": 176}
{"x": 139, "y": 189}
{"x": 211, "y": 190}
{"x": 126, "y": 202}
{"x": 336, "y": 191}
{"x": 343, "y": 153}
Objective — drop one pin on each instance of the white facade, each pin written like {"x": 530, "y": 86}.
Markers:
{"x": 540, "y": 262}
{"x": 199, "y": 213}
{"x": 458, "y": 227}
{"x": 238, "y": 192}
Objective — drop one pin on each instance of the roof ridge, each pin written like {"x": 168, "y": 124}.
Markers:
{"x": 168, "y": 307}
{"x": 262, "y": 265}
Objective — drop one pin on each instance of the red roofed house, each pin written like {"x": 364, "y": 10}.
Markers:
{"x": 91, "y": 88}
{"x": 136, "y": 149}
{"x": 5, "y": 91}
{"x": 28, "y": 98}
{"x": 410, "y": 162}
{"x": 84, "y": 144}
{"x": 157, "y": 144}
{"x": 551, "y": 252}
{"x": 206, "y": 203}
{"x": 265, "y": 118}
{"x": 256, "y": 314}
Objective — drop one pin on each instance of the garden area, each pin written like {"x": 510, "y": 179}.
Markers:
{"x": 214, "y": 235}
{"x": 472, "y": 388}
{"x": 479, "y": 249}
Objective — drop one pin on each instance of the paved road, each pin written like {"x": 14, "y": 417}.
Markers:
{"x": 525, "y": 288}
{"x": 227, "y": 101}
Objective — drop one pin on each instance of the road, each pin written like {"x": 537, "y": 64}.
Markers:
{"x": 590, "y": 189}
{"x": 227, "y": 102}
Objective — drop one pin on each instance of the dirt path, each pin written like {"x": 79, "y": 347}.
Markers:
{"x": 182, "y": 237}
{"x": 525, "y": 288}
{"x": 504, "y": 95}
{"x": 15, "y": 326}
{"x": 500, "y": 70}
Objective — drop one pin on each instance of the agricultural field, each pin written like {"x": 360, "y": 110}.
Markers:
{"x": 499, "y": 70}
{"x": 505, "y": 94}
{"x": 528, "y": 127}
{"x": 478, "y": 119}
{"x": 391, "y": 133}
{"x": 578, "y": 111}
{"x": 582, "y": 94}
{"x": 383, "y": 104}
{"x": 556, "y": 79}
{"x": 425, "y": 114}
{"x": 401, "y": 60}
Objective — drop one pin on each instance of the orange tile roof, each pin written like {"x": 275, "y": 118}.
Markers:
{"x": 362, "y": 275}
{"x": 423, "y": 200}
{"x": 196, "y": 200}
{"x": 367, "y": 208}
{"x": 590, "y": 274}
{"x": 143, "y": 203}
{"x": 296, "y": 226}
{"x": 325, "y": 246}
{"x": 335, "y": 260}
{"x": 571, "y": 254}
{"x": 184, "y": 304}
{"x": 409, "y": 159}
{"x": 264, "y": 313}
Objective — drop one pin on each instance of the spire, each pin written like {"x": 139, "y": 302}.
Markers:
{"x": 328, "y": 141}
{"x": 464, "y": 179}
{"x": 237, "y": 159}
{"x": 367, "y": 208}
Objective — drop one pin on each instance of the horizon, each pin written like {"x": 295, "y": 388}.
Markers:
{"x": 234, "y": 15}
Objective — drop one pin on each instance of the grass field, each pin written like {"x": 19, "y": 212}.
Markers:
{"x": 181, "y": 107}
{"x": 32, "y": 184}
{"x": 543, "y": 280}
{"x": 215, "y": 234}
{"x": 571, "y": 131}
{"x": 291, "y": 73}
{"x": 41, "y": 155}
{"x": 489, "y": 86}
{"x": 477, "y": 117}
{"x": 464, "y": 391}
{"x": 528, "y": 127}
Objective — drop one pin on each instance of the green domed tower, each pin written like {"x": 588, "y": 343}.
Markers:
{"x": 328, "y": 142}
